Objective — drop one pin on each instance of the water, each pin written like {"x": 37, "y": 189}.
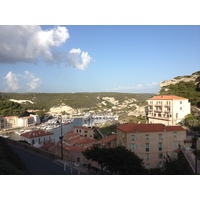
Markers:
{"x": 57, "y": 131}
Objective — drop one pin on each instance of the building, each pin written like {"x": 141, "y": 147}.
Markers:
{"x": 11, "y": 122}
{"x": 36, "y": 118}
{"x": 167, "y": 109}
{"x": 26, "y": 121}
{"x": 151, "y": 142}
{"x": 109, "y": 141}
{"x": 37, "y": 137}
{"x": 84, "y": 131}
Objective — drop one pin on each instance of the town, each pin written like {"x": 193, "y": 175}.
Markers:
{"x": 163, "y": 135}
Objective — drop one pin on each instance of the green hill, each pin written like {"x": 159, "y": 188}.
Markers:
{"x": 184, "y": 86}
{"x": 74, "y": 100}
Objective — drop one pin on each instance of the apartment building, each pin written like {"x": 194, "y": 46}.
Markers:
{"x": 151, "y": 142}
{"x": 26, "y": 121}
{"x": 11, "y": 122}
{"x": 167, "y": 109}
{"x": 39, "y": 137}
{"x": 84, "y": 131}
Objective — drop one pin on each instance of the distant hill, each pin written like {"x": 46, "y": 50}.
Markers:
{"x": 184, "y": 86}
{"x": 75, "y": 100}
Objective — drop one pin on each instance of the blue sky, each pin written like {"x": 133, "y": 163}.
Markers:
{"x": 96, "y": 58}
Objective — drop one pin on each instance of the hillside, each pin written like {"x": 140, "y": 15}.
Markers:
{"x": 184, "y": 86}
{"x": 77, "y": 101}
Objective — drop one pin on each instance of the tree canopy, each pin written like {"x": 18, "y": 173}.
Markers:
{"x": 9, "y": 108}
{"x": 117, "y": 160}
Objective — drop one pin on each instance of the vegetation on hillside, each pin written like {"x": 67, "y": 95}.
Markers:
{"x": 184, "y": 89}
{"x": 45, "y": 101}
{"x": 9, "y": 108}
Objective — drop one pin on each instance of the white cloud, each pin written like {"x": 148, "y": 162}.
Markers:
{"x": 34, "y": 82}
{"x": 12, "y": 81}
{"x": 28, "y": 43}
{"x": 78, "y": 59}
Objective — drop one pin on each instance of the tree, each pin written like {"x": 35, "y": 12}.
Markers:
{"x": 177, "y": 166}
{"x": 116, "y": 160}
{"x": 41, "y": 114}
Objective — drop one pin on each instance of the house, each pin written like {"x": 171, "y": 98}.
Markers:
{"x": 84, "y": 131}
{"x": 37, "y": 137}
{"x": 167, "y": 109}
{"x": 26, "y": 121}
{"x": 10, "y": 121}
{"x": 151, "y": 142}
{"x": 109, "y": 141}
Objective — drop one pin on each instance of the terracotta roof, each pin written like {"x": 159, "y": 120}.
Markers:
{"x": 174, "y": 128}
{"x": 48, "y": 145}
{"x": 132, "y": 127}
{"x": 167, "y": 97}
{"x": 108, "y": 139}
{"x": 73, "y": 140}
{"x": 74, "y": 148}
{"x": 36, "y": 133}
{"x": 86, "y": 141}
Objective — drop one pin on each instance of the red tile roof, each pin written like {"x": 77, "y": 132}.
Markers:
{"x": 86, "y": 141}
{"x": 132, "y": 127}
{"x": 74, "y": 148}
{"x": 35, "y": 133}
{"x": 48, "y": 145}
{"x": 108, "y": 139}
{"x": 167, "y": 97}
{"x": 174, "y": 128}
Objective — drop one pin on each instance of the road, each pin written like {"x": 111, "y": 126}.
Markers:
{"x": 38, "y": 165}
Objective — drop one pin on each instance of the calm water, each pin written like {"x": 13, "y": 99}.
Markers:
{"x": 57, "y": 132}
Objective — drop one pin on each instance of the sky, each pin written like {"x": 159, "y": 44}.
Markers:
{"x": 96, "y": 58}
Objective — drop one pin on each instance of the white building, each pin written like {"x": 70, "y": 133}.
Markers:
{"x": 167, "y": 109}
{"x": 36, "y": 118}
{"x": 26, "y": 121}
{"x": 37, "y": 137}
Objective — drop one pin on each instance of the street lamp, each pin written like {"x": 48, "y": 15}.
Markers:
{"x": 61, "y": 137}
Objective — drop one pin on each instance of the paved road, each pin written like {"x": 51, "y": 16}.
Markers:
{"x": 192, "y": 160}
{"x": 38, "y": 165}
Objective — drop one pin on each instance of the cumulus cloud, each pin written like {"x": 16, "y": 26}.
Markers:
{"x": 34, "y": 82}
{"x": 16, "y": 81}
{"x": 28, "y": 43}
{"x": 12, "y": 81}
{"x": 79, "y": 59}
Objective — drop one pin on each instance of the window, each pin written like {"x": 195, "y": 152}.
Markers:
{"x": 180, "y": 102}
{"x": 159, "y": 146}
{"x": 147, "y": 137}
{"x": 175, "y": 134}
{"x": 147, "y": 146}
{"x": 132, "y": 137}
{"x": 160, "y": 156}
{"x": 85, "y": 131}
{"x": 180, "y": 108}
{"x": 175, "y": 144}
{"x": 133, "y": 146}
{"x": 147, "y": 156}
{"x": 160, "y": 137}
